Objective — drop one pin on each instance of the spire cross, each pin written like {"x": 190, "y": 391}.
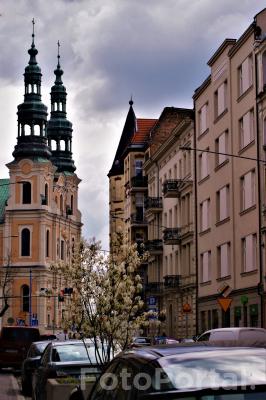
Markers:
{"x": 58, "y": 55}
{"x": 33, "y": 23}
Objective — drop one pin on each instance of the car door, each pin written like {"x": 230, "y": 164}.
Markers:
{"x": 40, "y": 375}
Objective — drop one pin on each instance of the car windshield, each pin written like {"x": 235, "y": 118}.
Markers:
{"x": 75, "y": 352}
{"x": 215, "y": 369}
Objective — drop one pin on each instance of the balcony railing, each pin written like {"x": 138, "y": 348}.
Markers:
{"x": 139, "y": 182}
{"x": 172, "y": 236}
{"x": 154, "y": 246}
{"x": 153, "y": 204}
{"x": 138, "y": 219}
{"x": 171, "y": 281}
{"x": 173, "y": 187}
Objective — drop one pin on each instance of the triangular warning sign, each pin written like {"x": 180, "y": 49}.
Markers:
{"x": 224, "y": 303}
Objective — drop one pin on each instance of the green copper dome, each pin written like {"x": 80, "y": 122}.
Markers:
{"x": 59, "y": 129}
{"x": 32, "y": 113}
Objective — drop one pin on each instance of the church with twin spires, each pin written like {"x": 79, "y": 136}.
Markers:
{"x": 39, "y": 217}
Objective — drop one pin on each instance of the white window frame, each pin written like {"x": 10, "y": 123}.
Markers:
{"x": 224, "y": 251}
{"x": 245, "y": 68}
{"x": 246, "y": 129}
{"x": 205, "y": 268}
{"x": 249, "y": 242}
{"x": 245, "y": 204}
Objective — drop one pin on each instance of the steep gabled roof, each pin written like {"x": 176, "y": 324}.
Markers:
{"x": 135, "y": 133}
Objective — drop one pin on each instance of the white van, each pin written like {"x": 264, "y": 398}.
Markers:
{"x": 251, "y": 334}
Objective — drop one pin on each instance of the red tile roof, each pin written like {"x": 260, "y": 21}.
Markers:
{"x": 142, "y": 130}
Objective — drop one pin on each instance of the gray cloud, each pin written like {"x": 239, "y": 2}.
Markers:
{"x": 156, "y": 50}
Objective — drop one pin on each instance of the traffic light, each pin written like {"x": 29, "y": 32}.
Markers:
{"x": 61, "y": 296}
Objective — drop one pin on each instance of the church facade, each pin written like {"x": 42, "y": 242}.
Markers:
{"x": 39, "y": 217}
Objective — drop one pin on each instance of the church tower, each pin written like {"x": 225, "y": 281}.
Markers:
{"x": 40, "y": 220}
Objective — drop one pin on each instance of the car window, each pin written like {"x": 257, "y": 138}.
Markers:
{"x": 74, "y": 352}
{"x": 99, "y": 392}
{"x": 223, "y": 335}
{"x": 46, "y": 356}
{"x": 204, "y": 337}
{"x": 252, "y": 334}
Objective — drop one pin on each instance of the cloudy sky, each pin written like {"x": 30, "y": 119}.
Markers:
{"x": 154, "y": 50}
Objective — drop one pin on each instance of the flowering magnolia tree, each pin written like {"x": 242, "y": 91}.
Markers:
{"x": 106, "y": 303}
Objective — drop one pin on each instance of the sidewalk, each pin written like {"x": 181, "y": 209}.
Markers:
{"x": 9, "y": 389}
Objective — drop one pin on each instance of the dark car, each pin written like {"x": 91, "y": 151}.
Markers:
{"x": 184, "y": 371}
{"x": 14, "y": 344}
{"x": 30, "y": 363}
{"x": 62, "y": 360}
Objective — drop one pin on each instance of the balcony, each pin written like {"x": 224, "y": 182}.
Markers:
{"x": 153, "y": 204}
{"x": 171, "y": 281}
{"x": 154, "y": 247}
{"x": 139, "y": 183}
{"x": 154, "y": 287}
{"x": 172, "y": 236}
{"x": 172, "y": 187}
{"x": 138, "y": 220}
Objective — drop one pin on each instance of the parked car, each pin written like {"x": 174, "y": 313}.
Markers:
{"x": 140, "y": 341}
{"x": 63, "y": 360}
{"x": 14, "y": 344}
{"x": 249, "y": 334}
{"x": 30, "y": 363}
{"x": 186, "y": 340}
{"x": 165, "y": 340}
{"x": 188, "y": 371}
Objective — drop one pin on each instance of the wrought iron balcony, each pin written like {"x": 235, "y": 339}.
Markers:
{"x": 154, "y": 204}
{"x": 139, "y": 182}
{"x": 138, "y": 219}
{"x": 171, "y": 281}
{"x": 172, "y": 236}
{"x": 155, "y": 246}
{"x": 173, "y": 187}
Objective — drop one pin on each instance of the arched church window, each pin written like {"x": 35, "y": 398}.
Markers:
{"x": 26, "y": 193}
{"x": 53, "y": 145}
{"x": 27, "y": 130}
{"x": 25, "y": 242}
{"x": 25, "y": 291}
{"x": 62, "y": 145}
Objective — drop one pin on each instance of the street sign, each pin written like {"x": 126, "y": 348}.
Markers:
{"x": 225, "y": 290}
{"x": 224, "y": 303}
{"x": 151, "y": 301}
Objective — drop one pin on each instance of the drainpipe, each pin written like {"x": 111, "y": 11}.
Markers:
{"x": 196, "y": 222}
{"x": 261, "y": 284}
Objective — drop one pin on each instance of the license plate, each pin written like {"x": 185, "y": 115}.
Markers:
{"x": 11, "y": 351}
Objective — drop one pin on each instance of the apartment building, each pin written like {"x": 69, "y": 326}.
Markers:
{"x": 127, "y": 184}
{"x": 169, "y": 206}
{"x": 230, "y": 182}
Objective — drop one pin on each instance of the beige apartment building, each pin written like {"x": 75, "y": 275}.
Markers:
{"x": 230, "y": 182}
{"x": 169, "y": 206}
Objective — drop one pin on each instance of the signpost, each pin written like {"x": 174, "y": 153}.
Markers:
{"x": 224, "y": 303}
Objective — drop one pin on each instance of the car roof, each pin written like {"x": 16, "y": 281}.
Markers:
{"x": 235, "y": 329}
{"x": 70, "y": 341}
{"x": 155, "y": 352}
{"x": 40, "y": 342}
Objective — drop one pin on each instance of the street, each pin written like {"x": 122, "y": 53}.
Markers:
{"x": 9, "y": 387}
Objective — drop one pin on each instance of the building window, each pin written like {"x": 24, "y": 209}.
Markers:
{"x": 203, "y": 119}
{"x": 26, "y": 193}
{"x": 138, "y": 168}
{"x": 245, "y": 75}
{"x": 139, "y": 207}
{"x": 246, "y": 129}
{"x": 62, "y": 250}
{"x": 237, "y": 316}
{"x": 220, "y": 99}
{"x": 72, "y": 203}
{"x": 205, "y": 215}
{"x": 205, "y": 266}
{"x": 221, "y": 148}
{"x": 247, "y": 190}
{"x": 25, "y": 242}
{"x": 47, "y": 243}
{"x": 254, "y": 315}
{"x": 223, "y": 203}
{"x": 204, "y": 164}
{"x": 224, "y": 260}
{"x": 215, "y": 319}
{"x": 203, "y": 321}
{"x": 61, "y": 203}
{"x": 46, "y": 193}
{"x": 25, "y": 298}
{"x": 249, "y": 259}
